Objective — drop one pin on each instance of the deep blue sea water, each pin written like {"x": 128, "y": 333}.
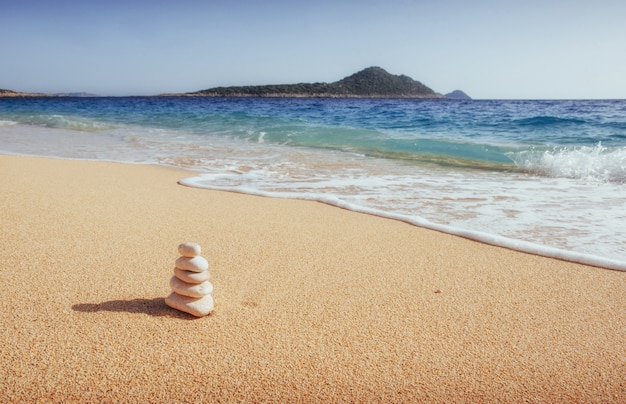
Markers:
{"x": 547, "y": 177}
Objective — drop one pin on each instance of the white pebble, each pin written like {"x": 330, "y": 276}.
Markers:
{"x": 190, "y": 289}
{"x": 195, "y": 264}
{"x": 189, "y": 249}
{"x": 190, "y": 276}
{"x": 194, "y": 306}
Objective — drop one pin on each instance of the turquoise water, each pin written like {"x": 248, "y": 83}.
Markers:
{"x": 541, "y": 176}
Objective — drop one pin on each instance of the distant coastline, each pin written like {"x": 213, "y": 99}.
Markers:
{"x": 372, "y": 82}
{"x": 11, "y": 93}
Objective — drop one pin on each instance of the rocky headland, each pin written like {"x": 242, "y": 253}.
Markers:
{"x": 372, "y": 82}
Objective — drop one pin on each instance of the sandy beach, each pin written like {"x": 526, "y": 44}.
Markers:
{"x": 312, "y": 303}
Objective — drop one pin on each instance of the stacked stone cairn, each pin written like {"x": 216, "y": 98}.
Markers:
{"x": 191, "y": 289}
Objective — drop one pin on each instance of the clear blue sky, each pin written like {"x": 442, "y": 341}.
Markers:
{"x": 489, "y": 49}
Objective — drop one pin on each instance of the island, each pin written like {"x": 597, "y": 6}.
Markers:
{"x": 372, "y": 82}
{"x": 458, "y": 95}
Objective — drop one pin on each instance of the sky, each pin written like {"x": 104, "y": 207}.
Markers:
{"x": 491, "y": 49}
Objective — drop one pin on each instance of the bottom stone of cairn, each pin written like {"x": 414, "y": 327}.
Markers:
{"x": 198, "y": 307}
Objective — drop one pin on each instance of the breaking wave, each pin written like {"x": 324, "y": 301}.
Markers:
{"x": 597, "y": 163}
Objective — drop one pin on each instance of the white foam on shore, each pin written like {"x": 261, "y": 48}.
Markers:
{"x": 567, "y": 214}
{"x": 487, "y": 238}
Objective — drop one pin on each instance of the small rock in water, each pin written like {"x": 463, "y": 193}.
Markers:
{"x": 190, "y": 289}
{"x": 189, "y": 250}
{"x": 195, "y": 264}
{"x": 191, "y": 277}
{"x": 192, "y": 305}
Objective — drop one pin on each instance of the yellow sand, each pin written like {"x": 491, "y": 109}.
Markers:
{"x": 313, "y": 303}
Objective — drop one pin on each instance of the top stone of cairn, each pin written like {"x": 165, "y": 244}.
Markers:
{"x": 189, "y": 250}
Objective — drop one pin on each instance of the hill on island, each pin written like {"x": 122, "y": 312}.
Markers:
{"x": 458, "y": 95}
{"x": 372, "y": 82}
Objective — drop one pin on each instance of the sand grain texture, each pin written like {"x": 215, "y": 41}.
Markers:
{"x": 312, "y": 303}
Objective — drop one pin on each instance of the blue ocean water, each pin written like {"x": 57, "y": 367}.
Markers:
{"x": 547, "y": 177}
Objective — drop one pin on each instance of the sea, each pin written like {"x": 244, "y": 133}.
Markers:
{"x": 545, "y": 177}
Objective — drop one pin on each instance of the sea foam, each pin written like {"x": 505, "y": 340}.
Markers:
{"x": 596, "y": 163}
{"x": 488, "y": 238}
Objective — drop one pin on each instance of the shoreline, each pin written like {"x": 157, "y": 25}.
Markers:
{"x": 474, "y": 235}
{"x": 312, "y": 302}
